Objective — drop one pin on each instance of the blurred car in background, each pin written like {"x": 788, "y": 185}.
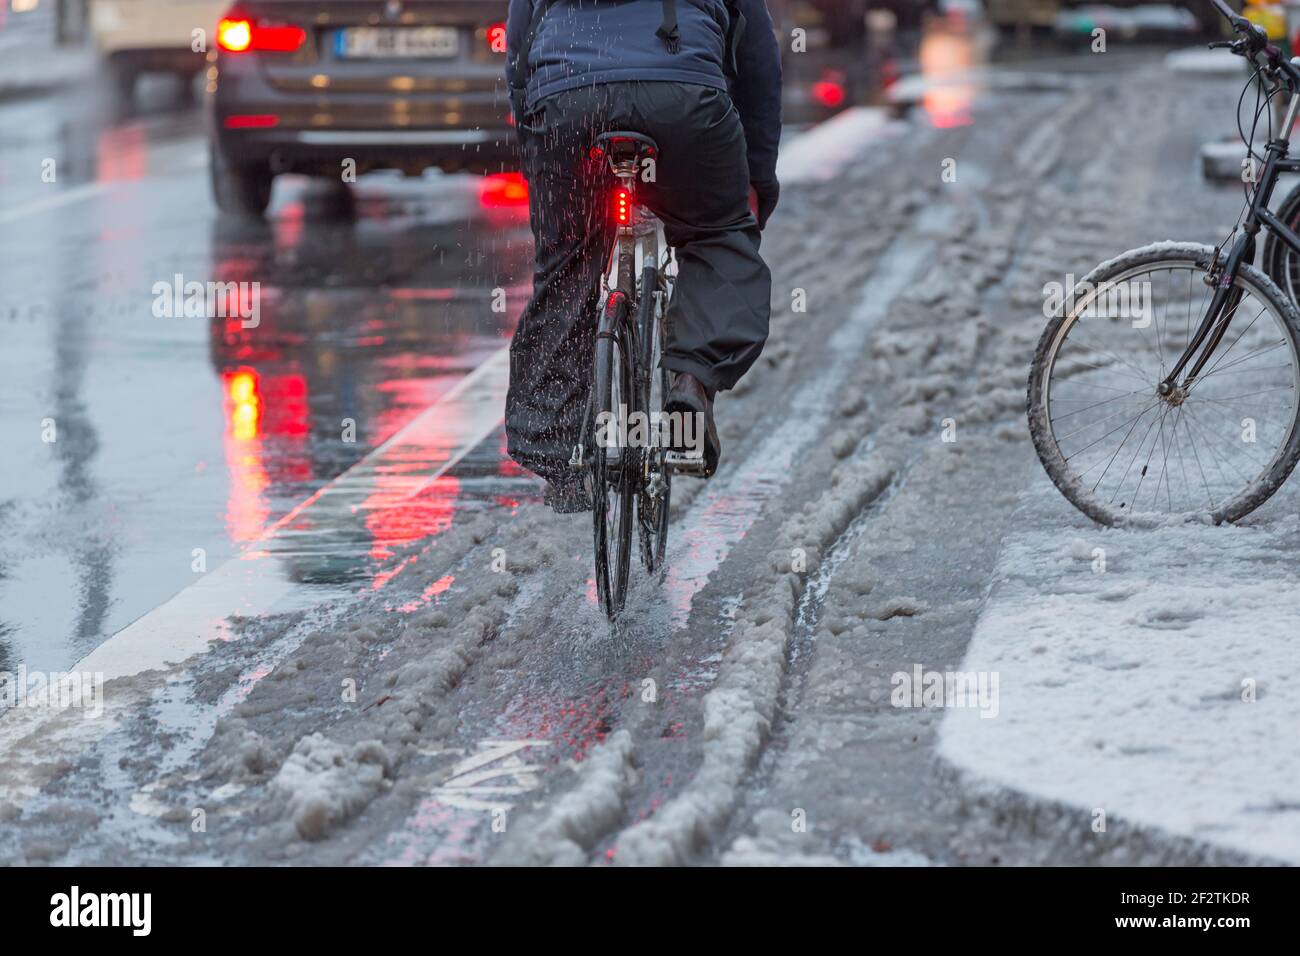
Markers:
{"x": 147, "y": 36}
{"x": 328, "y": 87}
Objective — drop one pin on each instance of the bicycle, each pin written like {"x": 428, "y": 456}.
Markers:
{"x": 631, "y": 479}
{"x": 1144, "y": 370}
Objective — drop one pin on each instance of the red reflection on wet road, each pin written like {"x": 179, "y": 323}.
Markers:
{"x": 247, "y": 510}
{"x": 397, "y": 519}
{"x": 121, "y": 153}
{"x": 579, "y": 723}
{"x": 429, "y": 593}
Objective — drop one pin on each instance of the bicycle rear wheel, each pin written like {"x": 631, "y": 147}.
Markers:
{"x": 1121, "y": 452}
{"x": 614, "y": 465}
{"x": 1280, "y": 261}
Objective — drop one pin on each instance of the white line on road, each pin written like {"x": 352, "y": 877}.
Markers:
{"x": 64, "y": 197}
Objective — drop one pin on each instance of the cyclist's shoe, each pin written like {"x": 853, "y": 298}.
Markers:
{"x": 568, "y": 497}
{"x": 690, "y": 396}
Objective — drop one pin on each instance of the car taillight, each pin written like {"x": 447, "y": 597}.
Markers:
{"x": 234, "y": 36}
{"x": 621, "y": 202}
{"x": 237, "y": 35}
{"x": 496, "y": 37}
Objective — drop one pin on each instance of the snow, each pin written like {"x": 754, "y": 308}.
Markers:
{"x": 1201, "y": 60}
{"x": 326, "y": 784}
{"x": 1156, "y": 689}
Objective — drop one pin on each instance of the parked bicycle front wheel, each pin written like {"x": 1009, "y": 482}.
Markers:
{"x": 1121, "y": 452}
{"x": 614, "y": 464}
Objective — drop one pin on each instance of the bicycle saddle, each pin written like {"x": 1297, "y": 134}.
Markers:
{"x": 623, "y": 145}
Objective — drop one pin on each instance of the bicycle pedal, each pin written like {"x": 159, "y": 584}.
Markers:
{"x": 685, "y": 463}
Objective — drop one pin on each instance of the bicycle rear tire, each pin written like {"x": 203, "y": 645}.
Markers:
{"x": 614, "y": 469}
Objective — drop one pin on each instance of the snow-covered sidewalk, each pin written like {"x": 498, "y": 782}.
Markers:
{"x": 1145, "y": 674}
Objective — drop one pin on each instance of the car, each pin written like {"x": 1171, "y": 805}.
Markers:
{"x": 147, "y": 36}
{"x": 341, "y": 87}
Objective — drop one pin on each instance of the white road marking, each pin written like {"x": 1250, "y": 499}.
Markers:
{"x": 64, "y": 197}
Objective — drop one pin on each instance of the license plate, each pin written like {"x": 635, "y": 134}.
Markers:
{"x": 378, "y": 43}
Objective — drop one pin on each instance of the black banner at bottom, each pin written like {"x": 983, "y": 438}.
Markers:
{"x": 338, "y": 906}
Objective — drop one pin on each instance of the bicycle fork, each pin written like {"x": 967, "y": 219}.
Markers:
{"x": 1223, "y": 306}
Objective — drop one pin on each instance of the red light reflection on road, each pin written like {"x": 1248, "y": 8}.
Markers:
{"x": 577, "y": 723}
{"x": 397, "y": 519}
{"x": 121, "y": 153}
{"x": 429, "y": 593}
{"x": 246, "y": 507}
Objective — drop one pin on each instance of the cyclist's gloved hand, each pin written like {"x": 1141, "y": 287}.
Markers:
{"x": 766, "y": 194}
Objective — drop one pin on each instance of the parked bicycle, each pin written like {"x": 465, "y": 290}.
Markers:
{"x": 1165, "y": 386}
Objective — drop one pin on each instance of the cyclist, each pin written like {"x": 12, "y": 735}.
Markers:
{"x": 701, "y": 77}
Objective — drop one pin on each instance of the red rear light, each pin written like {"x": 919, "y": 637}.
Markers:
{"x": 496, "y": 37}
{"x": 237, "y": 34}
{"x": 622, "y": 206}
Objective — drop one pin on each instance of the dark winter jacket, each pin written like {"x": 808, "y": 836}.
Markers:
{"x": 584, "y": 42}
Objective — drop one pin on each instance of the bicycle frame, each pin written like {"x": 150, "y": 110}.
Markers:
{"x": 1223, "y": 305}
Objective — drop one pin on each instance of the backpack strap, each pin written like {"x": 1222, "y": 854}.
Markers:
{"x": 519, "y": 68}
{"x": 668, "y": 31}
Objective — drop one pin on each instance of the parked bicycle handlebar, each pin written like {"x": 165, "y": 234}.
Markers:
{"x": 1252, "y": 41}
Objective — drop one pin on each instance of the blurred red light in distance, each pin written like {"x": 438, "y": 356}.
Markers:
{"x": 283, "y": 39}
{"x": 252, "y": 121}
{"x": 828, "y": 93}
{"x": 496, "y": 37}
{"x": 504, "y": 189}
{"x": 237, "y": 35}
{"x": 234, "y": 35}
